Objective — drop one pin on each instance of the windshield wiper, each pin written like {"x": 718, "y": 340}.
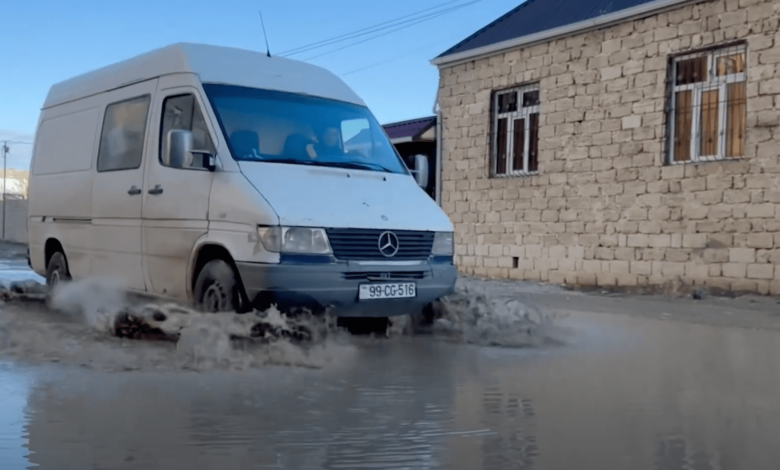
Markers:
{"x": 350, "y": 165}
{"x": 360, "y": 166}
{"x": 292, "y": 161}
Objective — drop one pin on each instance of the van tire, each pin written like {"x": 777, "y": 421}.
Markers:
{"x": 217, "y": 289}
{"x": 56, "y": 272}
{"x": 421, "y": 322}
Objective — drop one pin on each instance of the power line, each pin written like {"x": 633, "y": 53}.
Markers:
{"x": 402, "y": 26}
{"x": 335, "y": 39}
{"x": 368, "y": 30}
{"x": 376, "y": 64}
{"x": 382, "y": 62}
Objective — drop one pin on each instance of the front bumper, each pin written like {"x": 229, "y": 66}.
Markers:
{"x": 335, "y": 286}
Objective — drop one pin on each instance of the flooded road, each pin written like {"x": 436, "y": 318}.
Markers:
{"x": 649, "y": 388}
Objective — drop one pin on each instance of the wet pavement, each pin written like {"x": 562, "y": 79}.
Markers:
{"x": 13, "y": 267}
{"x": 640, "y": 389}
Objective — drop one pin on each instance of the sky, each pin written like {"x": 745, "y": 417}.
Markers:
{"x": 46, "y": 41}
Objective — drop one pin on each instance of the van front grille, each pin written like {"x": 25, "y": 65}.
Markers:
{"x": 363, "y": 244}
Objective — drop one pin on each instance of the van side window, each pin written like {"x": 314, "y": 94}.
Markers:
{"x": 122, "y": 137}
{"x": 182, "y": 112}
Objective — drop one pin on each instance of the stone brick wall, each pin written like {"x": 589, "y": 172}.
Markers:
{"x": 605, "y": 208}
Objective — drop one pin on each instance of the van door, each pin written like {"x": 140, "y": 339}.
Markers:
{"x": 176, "y": 201}
{"x": 117, "y": 196}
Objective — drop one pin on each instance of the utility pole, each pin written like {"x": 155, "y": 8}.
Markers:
{"x": 6, "y": 150}
{"x": 5, "y": 190}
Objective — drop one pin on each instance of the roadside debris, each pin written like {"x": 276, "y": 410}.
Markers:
{"x": 94, "y": 324}
{"x": 168, "y": 322}
{"x": 22, "y": 290}
{"x": 106, "y": 308}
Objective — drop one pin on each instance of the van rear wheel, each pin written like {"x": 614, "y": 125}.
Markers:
{"x": 217, "y": 289}
{"x": 56, "y": 272}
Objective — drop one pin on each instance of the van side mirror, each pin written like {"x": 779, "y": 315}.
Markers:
{"x": 209, "y": 161}
{"x": 178, "y": 148}
{"x": 420, "y": 171}
{"x": 178, "y": 151}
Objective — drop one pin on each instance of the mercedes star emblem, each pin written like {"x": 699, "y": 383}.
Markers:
{"x": 388, "y": 244}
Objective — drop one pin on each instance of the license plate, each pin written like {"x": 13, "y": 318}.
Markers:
{"x": 398, "y": 290}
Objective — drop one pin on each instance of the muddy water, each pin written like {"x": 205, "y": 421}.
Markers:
{"x": 621, "y": 392}
{"x": 91, "y": 320}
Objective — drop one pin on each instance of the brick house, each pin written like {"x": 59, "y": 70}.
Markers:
{"x": 617, "y": 143}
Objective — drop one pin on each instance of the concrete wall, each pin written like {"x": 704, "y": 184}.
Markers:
{"x": 15, "y": 220}
{"x": 606, "y": 209}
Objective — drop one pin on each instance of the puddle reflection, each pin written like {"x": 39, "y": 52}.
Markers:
{"x": 631, "y": 393}
{"x": 14, "y": 390}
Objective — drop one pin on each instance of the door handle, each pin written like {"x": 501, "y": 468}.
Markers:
{"x": 156, "y": 190}
{"x": 133, "y": 190}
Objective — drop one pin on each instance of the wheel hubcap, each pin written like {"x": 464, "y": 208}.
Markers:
{"x": 55, "y": 277}
{"x": 215, "y": 298}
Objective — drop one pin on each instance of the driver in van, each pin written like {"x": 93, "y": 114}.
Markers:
{"x": 328, "y": 143}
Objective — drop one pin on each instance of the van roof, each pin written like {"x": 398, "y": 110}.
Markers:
{"x": 213, "y": 64}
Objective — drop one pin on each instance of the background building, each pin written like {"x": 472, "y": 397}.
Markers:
{"x": 597, "y": 142}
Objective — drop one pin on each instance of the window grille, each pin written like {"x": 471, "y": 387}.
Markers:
{"x": 515, "y": 132}
{"x": 708, "y": 105}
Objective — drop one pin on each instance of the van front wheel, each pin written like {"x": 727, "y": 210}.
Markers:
{"x": 216, "y": 289}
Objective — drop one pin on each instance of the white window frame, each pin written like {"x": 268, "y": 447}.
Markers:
{"x": 521, "y": 113}
{"x": 713, "y": 82}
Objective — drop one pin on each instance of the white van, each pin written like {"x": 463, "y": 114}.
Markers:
{"x": 233, "y": 180}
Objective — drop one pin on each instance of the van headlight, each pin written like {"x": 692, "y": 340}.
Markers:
{"x": 443, "y": 244}
{"x": 297, "y": 240}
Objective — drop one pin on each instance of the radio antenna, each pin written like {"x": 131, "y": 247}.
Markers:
{"x": 267, "y": 49}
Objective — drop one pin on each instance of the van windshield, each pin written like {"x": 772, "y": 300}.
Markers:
{"x": 280, "y": 127}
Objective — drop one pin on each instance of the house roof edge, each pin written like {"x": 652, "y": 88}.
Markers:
{"x": 629, "y": 14}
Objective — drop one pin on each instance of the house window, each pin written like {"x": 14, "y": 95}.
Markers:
{"x": 708, "y": 105}
{"x": 515, "y": 135}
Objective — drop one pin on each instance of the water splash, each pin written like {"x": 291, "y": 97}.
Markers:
{"x": 92, "y": 321}
{"x": 96, "y": 300}
{"x": 474, "y": 315}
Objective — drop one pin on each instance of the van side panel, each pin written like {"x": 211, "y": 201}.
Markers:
{"x": 60, "y": 204}
{"x": 70, "y": 134}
